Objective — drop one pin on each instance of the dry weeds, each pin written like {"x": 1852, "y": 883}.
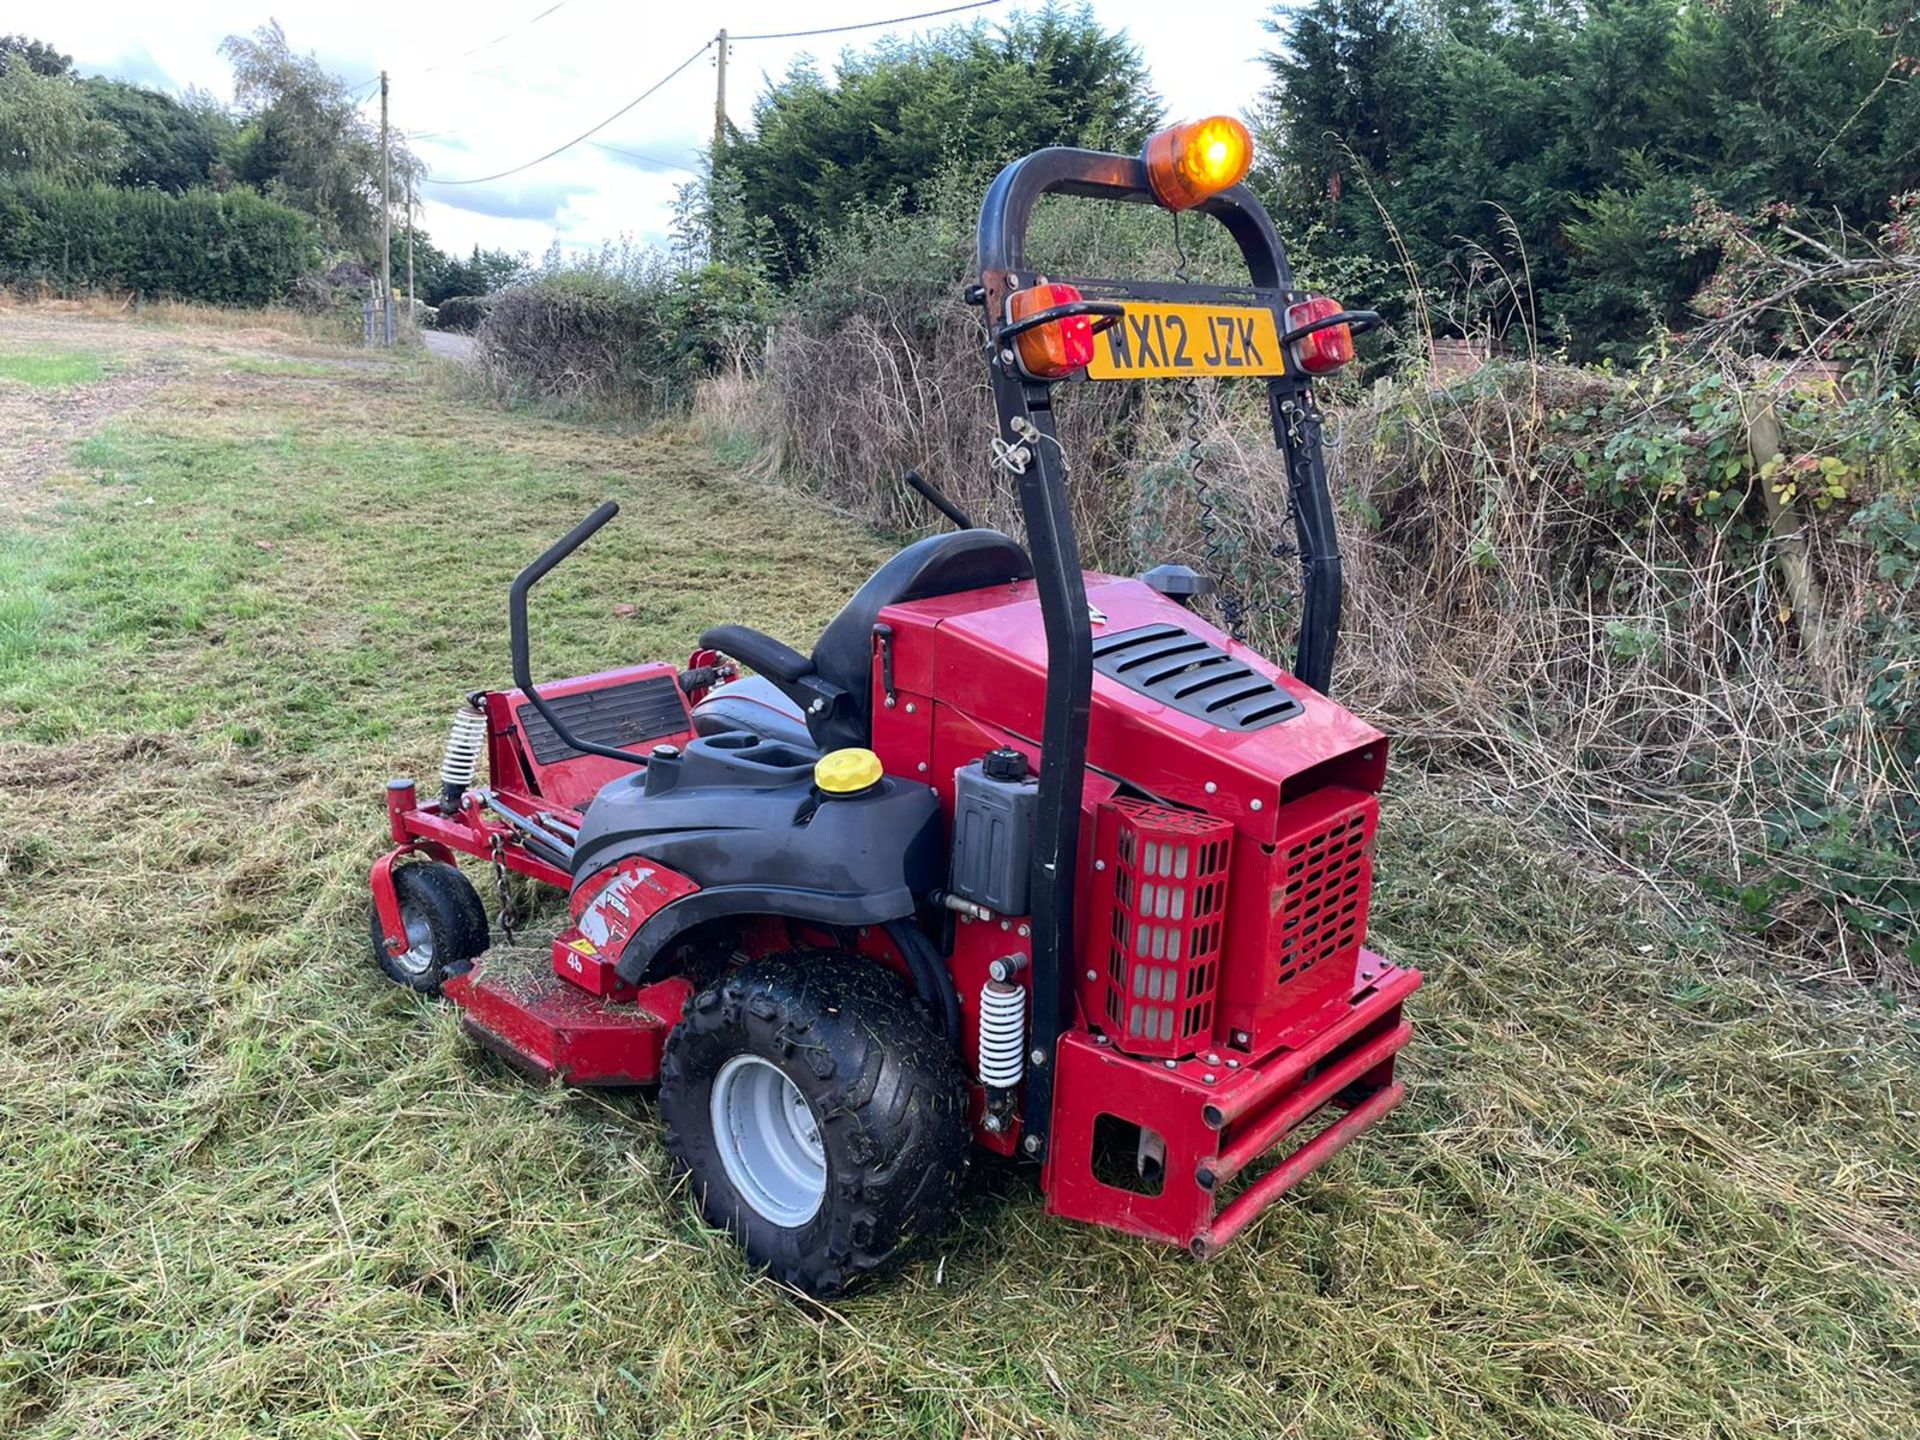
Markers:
{"x": 1644, "y": 696}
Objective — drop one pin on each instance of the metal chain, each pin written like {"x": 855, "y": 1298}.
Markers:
{"x": 1297, "y": 418}
{"x": 1232, "y": 609}
{"x": 509, "y": 915}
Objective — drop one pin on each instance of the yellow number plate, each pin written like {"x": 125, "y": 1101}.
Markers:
{"x": 1153, "y": 341}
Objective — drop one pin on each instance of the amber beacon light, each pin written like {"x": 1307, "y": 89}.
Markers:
{"x": 1187, "y": 163}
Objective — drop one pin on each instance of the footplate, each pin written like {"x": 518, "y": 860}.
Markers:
{"x": 1205, "y": 1144}
{"x": 550, "y": 1029}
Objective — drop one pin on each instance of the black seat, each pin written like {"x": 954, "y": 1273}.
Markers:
{"x": 756, "y": 705}
{"x": 833, "y": 687}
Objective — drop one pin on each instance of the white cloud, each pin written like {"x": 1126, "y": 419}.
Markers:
{"x": 481, "y": 113}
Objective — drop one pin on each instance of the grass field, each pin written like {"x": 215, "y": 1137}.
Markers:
{"x": 248, "y": 1188}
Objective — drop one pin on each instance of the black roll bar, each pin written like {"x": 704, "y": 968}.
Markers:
{"x": 1032, "y": 453}
{"x": 1096, "y": 175}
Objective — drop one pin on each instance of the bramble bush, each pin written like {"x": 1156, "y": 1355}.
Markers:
{"x": 620, "y": 333}
{"x": 1836, "y": 804}
{"x": 1564, "y": 582}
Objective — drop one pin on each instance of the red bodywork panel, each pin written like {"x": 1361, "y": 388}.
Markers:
{"x": 607, "y": 911}
{"x": 984, "y": 654}
{"x": 1215, "y": 1116}
{"x": 583, "y": 1023}
{"x": 514, "y": 765}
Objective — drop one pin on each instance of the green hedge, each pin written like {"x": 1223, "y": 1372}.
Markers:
{"x": 633, "y": 342}
{"x": 462, "y": 314}
{"x": 231, "y": 249}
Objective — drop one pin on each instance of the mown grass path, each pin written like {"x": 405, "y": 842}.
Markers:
{"x": 247, "y": 1188}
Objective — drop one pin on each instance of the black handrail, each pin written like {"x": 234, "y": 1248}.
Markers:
{"x": 517, "y": 628}
{"x": 935, "y": 497}
{"x": 1107, "y": 311}
{"x": 1358, "y": 321}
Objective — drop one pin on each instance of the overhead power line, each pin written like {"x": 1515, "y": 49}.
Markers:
{"x": 467, "y": 54}
{"x": 586, "y": 134}
{"x": 368, "y": 84}
{"x": 865, "y": 24}
{"x": 659, "y": 84}
{"x": 644, "y": 159}
{"x": 505, "y": 35}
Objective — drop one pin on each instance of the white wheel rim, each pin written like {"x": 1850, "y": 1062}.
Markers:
{"x": 769, "y": 1141}
{"x": 417, "y": 958}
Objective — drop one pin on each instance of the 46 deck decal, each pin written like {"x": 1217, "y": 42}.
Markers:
{"x": 1153, "y": 341}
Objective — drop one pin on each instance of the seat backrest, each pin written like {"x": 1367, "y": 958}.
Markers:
{"x": 944, "y": 564}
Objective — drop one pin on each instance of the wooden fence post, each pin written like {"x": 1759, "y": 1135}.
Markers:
{"x": 1789, "y": 540}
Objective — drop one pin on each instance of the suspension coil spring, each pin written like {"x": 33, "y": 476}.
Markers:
{"x": 466, "y": 737}
{"x": 1003, "y": 1034}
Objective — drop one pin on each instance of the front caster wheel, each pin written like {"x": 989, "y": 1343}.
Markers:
{"x": 445, "y": 922}
{"x": 819, "y": 1114}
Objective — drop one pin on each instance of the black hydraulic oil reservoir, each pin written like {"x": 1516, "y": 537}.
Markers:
{"x": 995, "y": 800}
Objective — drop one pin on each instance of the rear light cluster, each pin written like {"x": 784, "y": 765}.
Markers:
{"x": 1186, "y": 165}
{"x": 1055, "y": 350}
{"x": 1058, "y": 348}
{"x": 1325, "y": 350}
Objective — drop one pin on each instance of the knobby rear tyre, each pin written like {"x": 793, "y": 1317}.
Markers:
{"x": 885, "y": 1111}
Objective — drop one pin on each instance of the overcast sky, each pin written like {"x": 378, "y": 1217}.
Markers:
{"x": 476, "y": 104}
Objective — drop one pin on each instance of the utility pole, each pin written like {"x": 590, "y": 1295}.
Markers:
{"x": 386, "y": 214}
{"x": 720, "y": 98}
{"x": 409, "y": 242}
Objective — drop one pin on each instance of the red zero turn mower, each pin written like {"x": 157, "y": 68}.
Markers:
{"x": 1020, "y": 856}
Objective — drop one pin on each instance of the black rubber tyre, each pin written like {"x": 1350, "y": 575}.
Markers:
{"x": 887, "y": 1101}
{"x": 445, "y": 921}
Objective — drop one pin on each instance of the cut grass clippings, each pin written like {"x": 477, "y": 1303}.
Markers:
{"x": 249, "y": 1188}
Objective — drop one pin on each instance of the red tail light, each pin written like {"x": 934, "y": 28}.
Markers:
{"x": 1058, "y": 348}
{"x": 1324, "y": 350}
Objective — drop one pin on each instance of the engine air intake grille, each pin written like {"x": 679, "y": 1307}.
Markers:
{"x": 1194, "y": 676}
{"x": 1325, "y": 873}
{"x": 1165, "y": 877}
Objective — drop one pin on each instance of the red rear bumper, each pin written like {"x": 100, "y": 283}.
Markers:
{"x": 1220, "y": 1116}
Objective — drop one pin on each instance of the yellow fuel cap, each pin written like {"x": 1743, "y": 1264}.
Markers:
{"x": 847, "y": 772}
